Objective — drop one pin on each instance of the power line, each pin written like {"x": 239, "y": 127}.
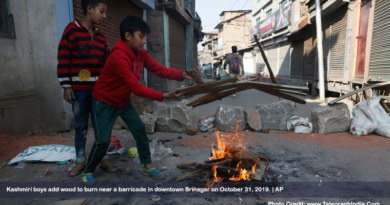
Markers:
{"x": 233, "y": 5}
{"x": 245, "y": 4}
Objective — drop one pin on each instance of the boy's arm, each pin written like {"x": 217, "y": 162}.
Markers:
{"x": 162, "y": 71}
{"x": 242, "y": 65}
{"x": 64, "y": 60}
{"x": 121, "y": 67}
{"x": 226, "y": 61}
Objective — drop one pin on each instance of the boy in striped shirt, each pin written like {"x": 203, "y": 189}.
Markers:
{"x": 81, "y": 56}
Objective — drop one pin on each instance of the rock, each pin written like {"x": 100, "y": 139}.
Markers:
{"x": 117, "y": 127}
{"x": 230, "y": 118}
{"x": 176, "y": 117}
{"x": 149, "y": 121}
{"x": 253, "y": 119}
{"x": 328, "y": 119}
{"x": 275, "y": 116}
{"x": 187, "y": 116}
{"x": 119, "y": 124}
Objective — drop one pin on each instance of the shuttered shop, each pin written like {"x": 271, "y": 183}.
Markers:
{"x": 297, "y": 59}
{"x": 117, "y": 10}
{"x": 177, "y": 44}
{"x": 337, "y": 44}
{"x": 380, "y": 48}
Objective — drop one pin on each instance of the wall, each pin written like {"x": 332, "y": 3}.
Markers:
{"x": 29, "y": 71}
{"x": 236, "y": 33}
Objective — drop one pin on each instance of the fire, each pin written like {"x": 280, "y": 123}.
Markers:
{"x": 229, "y": 145}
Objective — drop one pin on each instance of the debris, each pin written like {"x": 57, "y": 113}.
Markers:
{"x": 128, "y": 170}
{"x": 72, "y": 202}
{"x": 157, "y": 151}
{"x": 155, "y": 198}
{"x": 184, "y": 166}
{"x": 260, "y": 197}
{"x": 240, "y": 200}
{"x": 300, "y": 125}
{"x": 133, "y": 151}
{"x": 115, "y": 146}
{"x": 254, "y": 120}
{"x": 206, "y": 124}
{"x": 163, "y": 168}
{"x": 368, "y": 117}
{"x": 230, "y": 118}
{"x": 264, "y": 130}
{"x": 47, "y": 172}
{"x": 21, "y": 165}
{"x": 274, "y": 116}
{"x": 46, "y": 153}
{"x": 3, "y": 165}
{"x": 328, "y": 119}
{"x": 189, "y": 175}
{"x": 62, "y": 163}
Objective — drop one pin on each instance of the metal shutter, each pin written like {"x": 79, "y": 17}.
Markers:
{"x": 338, "y": 40}
{"x": 309, "y": 54}
{"x": 284, "y": 59}
{"x": 272, "y": 55}
{"x": 380, "y": 47}
{"x": 177, "y": 44}
{"x": 116, "y": 12}
{"x": 297, "y": 59}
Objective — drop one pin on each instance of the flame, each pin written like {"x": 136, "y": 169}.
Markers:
{"x": 228, "y": 144}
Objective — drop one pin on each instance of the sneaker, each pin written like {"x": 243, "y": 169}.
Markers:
{"x": 88, "y": 179}
{"x": 154, "y": 173}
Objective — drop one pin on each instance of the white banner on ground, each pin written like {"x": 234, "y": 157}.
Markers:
{"x": 46, "y": 153}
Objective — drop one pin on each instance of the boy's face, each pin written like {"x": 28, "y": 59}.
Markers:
{"x": 137, "y": 41}
{"x": 97, "y": 14}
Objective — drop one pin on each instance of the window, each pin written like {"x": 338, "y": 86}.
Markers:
{"x": 258, "y": 1}
{"x": 7, "y": 29}
{"x": 268, "y": 13}
{"x": 257, "y": 20}
{"x": 283, "y": 3}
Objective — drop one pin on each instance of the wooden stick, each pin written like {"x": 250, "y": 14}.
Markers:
{"x": 188, "y": 175}
{"x": 3, "y": 164}
{"x": 196, "y": 78}
{"x": 214, "y": 160}
{"x": 265, "y": 60}
{"x": 184, "y": 166}
{"x": 220, "y": 169}
{"x": 223, "y": 161}
{"x": 208, "y": 85}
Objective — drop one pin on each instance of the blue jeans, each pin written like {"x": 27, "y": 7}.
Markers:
{"x": 82, "y": 109}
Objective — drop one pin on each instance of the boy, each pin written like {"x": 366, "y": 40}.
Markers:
{"x": 81, "y": 55}
{"x": 111, "y": 96}
{"x": 236, "y": 67}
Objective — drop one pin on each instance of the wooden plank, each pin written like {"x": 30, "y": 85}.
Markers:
{"x": 189, "y": 175}
{"x": 184, "y": 166}
{"x": 357, "y": 91}
{"x": 194, "y": 76}
{"x": 207, "y": 85}
{"x": 220, "y": 169}
{"x": 292, "y": 92}
{"x": 219, "y": 96}
{"x": 265, "y": 60}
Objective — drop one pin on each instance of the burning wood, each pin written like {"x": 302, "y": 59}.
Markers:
{"x": 230, "y": 160}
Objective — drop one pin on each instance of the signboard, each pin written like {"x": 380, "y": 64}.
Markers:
{"x": 278, "y": 20}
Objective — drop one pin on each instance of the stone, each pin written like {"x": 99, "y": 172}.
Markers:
{"x": 120, "y": 124}
{"x": 230, "y": 118}
{"x": 176, "y": 117}
{"x": 149, "y": 121}
{"x": 274, "y": 116}
{"x": 254, "y": 120}
{"x": 187, "y": 116}
{"x": 330, "y": 119}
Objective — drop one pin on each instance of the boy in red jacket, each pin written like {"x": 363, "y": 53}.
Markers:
{"x": 119, "y": 78}
{"x": 81, "y": 55}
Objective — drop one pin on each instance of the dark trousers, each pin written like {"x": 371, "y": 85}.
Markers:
{"x": 105, "y": 117}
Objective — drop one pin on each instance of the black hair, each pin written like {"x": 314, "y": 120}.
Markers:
{"x": 92, "y": 3}
{"x": 234, "y": 49}
{"x": 131, "y": 24}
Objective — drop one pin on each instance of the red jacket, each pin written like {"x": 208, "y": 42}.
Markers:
{"x": 122, "y": 72}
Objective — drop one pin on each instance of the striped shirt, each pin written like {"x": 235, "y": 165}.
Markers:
{"x": 81, "y": 57}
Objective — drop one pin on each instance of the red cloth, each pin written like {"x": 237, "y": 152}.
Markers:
{"x": 122, "y": 72}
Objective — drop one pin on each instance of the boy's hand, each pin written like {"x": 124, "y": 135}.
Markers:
{"x": 69, "y": 95}
{"x": 194, "y": 71}
{"x": 172, "y": 94}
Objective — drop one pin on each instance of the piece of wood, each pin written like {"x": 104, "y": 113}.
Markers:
{"x": 213, "y": 97}
{"x": 220, "y": 169}
{"x": 359, "y": 90}
{"x": 291, "y": 92}
{"x": 185, "y": 166}
{"x": 195, "y": 77}
{"x": 223, "y": 162}
{"x": 2, "y": 165}
{"x": 189, "y": 175}
{"x": 214, "y": 160}
{"x": 207, "y": 85}
{"x": 265, "y": 60}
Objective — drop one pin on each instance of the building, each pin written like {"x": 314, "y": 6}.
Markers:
{"x": 173, "y": 42}
{"x": 30, "y": 95}
{"x": 233, "y": 30}
{"x": 210, "y": 48}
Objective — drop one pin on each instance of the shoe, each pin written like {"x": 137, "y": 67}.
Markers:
{"x": 88, "y": 179}
{"x": 154, "y": 173}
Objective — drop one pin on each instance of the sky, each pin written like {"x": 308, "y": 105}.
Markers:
{"x": 209, "y": 11}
